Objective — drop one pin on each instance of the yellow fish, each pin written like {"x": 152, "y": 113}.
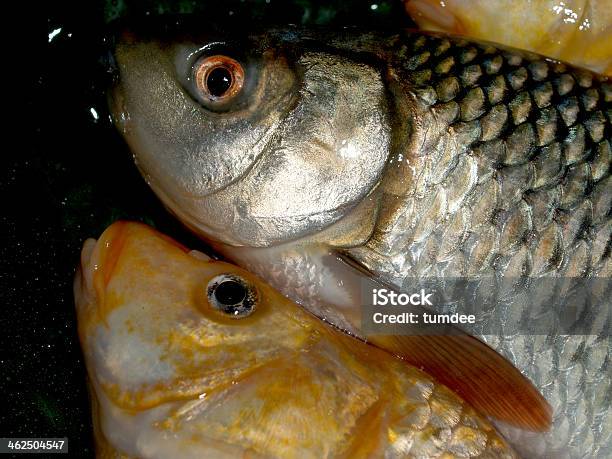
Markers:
{"x": 192, "y": 357}
{"x": 575, "y": 31}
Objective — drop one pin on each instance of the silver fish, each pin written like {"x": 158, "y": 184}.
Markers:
{"x": 411, "y": 155}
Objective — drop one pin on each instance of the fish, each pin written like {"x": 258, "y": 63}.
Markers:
{"x": 322, "y": 160}
{"x": 575, "y": 31}
{"x": 191, "y": 357}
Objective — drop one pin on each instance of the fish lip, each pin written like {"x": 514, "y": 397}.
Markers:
{"x": 98, "y": 261}
{"x": 108, "y": 252}
{"x": 101, "y": 257}
{"x": 83, "y": 281}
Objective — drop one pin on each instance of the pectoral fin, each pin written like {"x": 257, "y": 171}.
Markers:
{"x": 481, "y": 376}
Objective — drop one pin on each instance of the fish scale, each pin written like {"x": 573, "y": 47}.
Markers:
{"x": 525, "y": 192}
{"x": 410, "y": 155}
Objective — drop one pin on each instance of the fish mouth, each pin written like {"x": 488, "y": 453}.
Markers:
{"x": 109, "y": 250}
{"x": 100, "y": 257}
{"x": 98, "y": 260}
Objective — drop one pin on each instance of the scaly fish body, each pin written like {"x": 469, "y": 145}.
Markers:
{"x": 174, "y": 375}
{"x": 412, "y": 154}
{"x": 576, "y": 31}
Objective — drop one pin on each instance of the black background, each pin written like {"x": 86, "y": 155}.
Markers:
{"x": 66, "y": 176}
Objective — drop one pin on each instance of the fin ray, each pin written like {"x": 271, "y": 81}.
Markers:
{"x": 477, "y": 373}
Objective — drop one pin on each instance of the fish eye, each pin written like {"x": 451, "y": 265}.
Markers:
{"x": 218, "y": 78}
{"x": 232, "y": 295}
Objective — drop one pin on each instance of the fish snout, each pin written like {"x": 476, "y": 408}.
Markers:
{"x": 83, "y": 280}
{"x": 90, "y": 282}
{"x": 98, "y": 260}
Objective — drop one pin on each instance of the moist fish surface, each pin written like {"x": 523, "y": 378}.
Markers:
{"x": 576, "y": 31}
{"x": 304, "y": 154}
{"x": 189, "y": 357}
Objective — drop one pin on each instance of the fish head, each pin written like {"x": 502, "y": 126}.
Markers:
{"x": 250, "y": 138}
{"x": 159, "y": 324}
{"x": 192, "y": 357}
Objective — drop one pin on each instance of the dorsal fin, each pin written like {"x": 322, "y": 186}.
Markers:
{"x": 478, "y": 374}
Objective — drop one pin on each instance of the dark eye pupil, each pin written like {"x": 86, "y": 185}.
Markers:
{"x": 232, "y": 295}
{"x": 230, "y": 292}
{"x": 219, "y": 81}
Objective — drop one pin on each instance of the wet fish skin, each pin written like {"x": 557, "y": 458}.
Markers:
{"x": 509, "y": 145}
{"x": 249, "y": 162}
{"x": 512, "y": 172}
{"x": 513, "y": 180}
{"x": 172, "y": 377}
{"x": 511, "y": 177}
{"x": 575, "y": 31}
{"x": 495, "y": 161}
{"x": 296, "y": 108}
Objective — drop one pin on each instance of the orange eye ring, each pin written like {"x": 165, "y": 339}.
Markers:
{"x": 219, "y": 77}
